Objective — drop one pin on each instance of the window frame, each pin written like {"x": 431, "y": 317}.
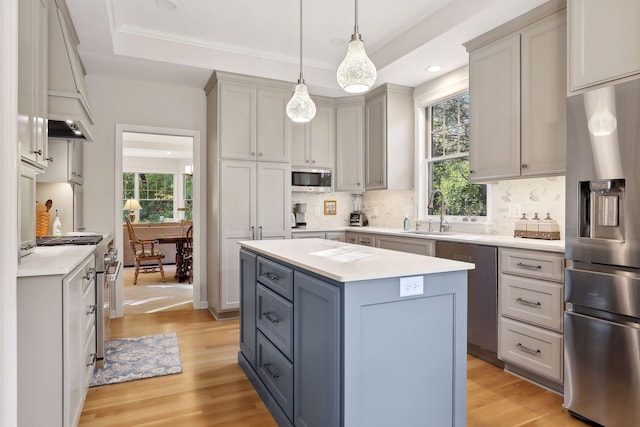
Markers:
{"x": 449, "y": 86}
{"x": 176, "y": 191}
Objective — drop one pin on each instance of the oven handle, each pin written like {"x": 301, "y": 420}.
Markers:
{"x": 111, "y": 277}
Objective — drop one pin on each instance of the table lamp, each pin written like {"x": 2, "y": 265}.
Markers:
{"x": 131, "y": 205}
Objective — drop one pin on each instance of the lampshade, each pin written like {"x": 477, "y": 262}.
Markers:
{"x": 356, "y": 73}
{"x": 188, "y": 169}
{"x": 131, "y": 205}
{"x": 300, "y": 107}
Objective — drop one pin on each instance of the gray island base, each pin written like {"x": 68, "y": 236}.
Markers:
{"x": 334, "y": 334}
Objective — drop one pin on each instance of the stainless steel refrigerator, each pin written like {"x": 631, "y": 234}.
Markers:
{"x": 602, "y": 292}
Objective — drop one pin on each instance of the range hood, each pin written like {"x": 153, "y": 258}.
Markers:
{"x": 70, "y": 116}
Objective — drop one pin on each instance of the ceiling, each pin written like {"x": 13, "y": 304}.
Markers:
{"x": 150, "y": 145}
{"x": 153, "y": 41}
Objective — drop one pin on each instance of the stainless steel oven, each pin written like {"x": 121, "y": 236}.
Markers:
{"x": 107, "y": 270}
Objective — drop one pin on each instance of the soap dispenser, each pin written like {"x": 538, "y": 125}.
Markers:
{"x": 57, "y": 226}
{"x": 406, "y": 225}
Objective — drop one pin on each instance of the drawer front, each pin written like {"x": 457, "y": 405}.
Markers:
{"x": 276, "y": 372}
{"x": 274, "y": 317}
{"x": 366, "y": 239}
{"x": 531, "y": 300}
{"x": 89, "y": 304}
{"x": 89, "y": 357}
{"x": 540, "y": 265}
{"x": 275, "y": 276}
{"x": 532, "y": 348}
{"x": 351, "y": 237}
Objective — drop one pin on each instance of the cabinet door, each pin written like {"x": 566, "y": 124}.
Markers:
{"x": 350, "y": 148}
{"x": 33, "y": 81}
{"x": 27, "y": 209}
{"x": 300, "y": 145}
{"x": 322, "y": 139}
{"x": 237, "y": 222}
{"x": 604, "y": 41}
{"x": 248, "y": 306}
{"x": 317, "y": 375}
{"x": 78, "y": 207}
{"x": 544, "y": 88}
{"x": 406, "y": 244}
{"x": 273, "y": 200}
{"x": 237, "y": 115}
{"x": 376, "y": 143}
{"x": 58, "y": 170}
{"x": 272, "y": 133}
{"x": 73, "y": 336}
{"x": 494, "y": 96}
{"x": 76, "y": 161}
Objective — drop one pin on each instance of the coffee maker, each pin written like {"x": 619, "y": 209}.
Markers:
{"x": 299, "y": 209}
{"x": 357, "y": 217}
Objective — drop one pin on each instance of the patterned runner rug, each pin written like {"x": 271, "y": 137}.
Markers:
{"x": 128, "y": 359}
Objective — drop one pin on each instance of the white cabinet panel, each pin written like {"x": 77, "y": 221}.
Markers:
{"x": 313, "y": 143}
{"x": 237, "y": 121}
{"x": 273, "y": 124}
{"x": 604, "y": 41}
{"x": 350, "y": 147}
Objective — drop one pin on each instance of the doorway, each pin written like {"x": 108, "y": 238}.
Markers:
{"x": 156, "y": 167}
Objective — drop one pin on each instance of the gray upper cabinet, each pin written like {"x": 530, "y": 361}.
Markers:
{"x": 253, "y": 124}
{"x": 517, "y": 89}
{"x": 604, "y": 41}
{"x": 33, "y": 81}
{"x": 350, "y": 147}
{"x": 313, "y": 144}
{"x": 389, "y": 138}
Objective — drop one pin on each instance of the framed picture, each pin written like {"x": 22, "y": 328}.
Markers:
{"x": 330, "y": 207}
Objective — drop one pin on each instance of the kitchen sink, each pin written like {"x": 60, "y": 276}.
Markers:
{"x": 433, "y": 233}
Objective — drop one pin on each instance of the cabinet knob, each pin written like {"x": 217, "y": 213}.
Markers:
{"x": 306, "y": 161}
{"x": 524, "y": 166}
{"x": 259, "y": 154}
{"x": 253, "y": 154}
{"x": 313, "y": 161}
{"x": 380, "y": 182}
{"x": 49, "y": 159}
{"x": 358, "y": 184}
{"x": 38, "y": 152}
{"x": 471, "y": 171}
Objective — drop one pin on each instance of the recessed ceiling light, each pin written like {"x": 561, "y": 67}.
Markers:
{"x": 166, "y": 4}
{"x": 434, "y": 68}
{"x": 168, "y": 153}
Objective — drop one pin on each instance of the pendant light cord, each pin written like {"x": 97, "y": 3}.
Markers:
{"x": 301, "y": 78}
{"x": 355, "y": 27}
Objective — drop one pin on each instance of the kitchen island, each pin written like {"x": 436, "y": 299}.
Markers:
{"x": 334, "y": 334}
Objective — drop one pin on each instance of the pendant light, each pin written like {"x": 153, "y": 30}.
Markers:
{"x": 301, "y": 108}
{"x": 356, "y": 73}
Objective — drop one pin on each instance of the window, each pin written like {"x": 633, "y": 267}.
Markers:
{"x": 154, "y": 191}
{"x": 188, "y": 196}
{"x": 448, "y": 158}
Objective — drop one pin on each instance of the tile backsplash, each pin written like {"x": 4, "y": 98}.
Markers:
{"x": 386, "y": 209}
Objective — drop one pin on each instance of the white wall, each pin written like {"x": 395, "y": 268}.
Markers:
{"x": 120, "y": 101}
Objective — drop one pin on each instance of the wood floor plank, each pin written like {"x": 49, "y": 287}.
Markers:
{"x": 212, "y": 390}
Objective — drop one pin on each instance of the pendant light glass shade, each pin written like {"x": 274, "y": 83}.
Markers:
{"x": 300, "y": 107}
{"x": 356, "y": 73}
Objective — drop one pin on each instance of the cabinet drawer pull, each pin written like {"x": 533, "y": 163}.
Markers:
{"x": 49, "y": 159}
{"x": 531, "y": 303}
{"x": 267, "y": 369}
{"x": 92, "y": 309}
{"x": 271, "y": 276}
{"x": 529, "y": 266}
{"x": 92, "y": 359}
{"x": 38, "y": 152}
{"x": 271, "y": 318}
{"x": 527, "y": 349}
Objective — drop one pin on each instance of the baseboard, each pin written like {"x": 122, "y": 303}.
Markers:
{"x": 224, "y": 315}
{"x": 484, "y": 354}
{"x": 538, "y": 380}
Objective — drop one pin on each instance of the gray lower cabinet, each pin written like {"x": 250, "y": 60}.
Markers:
{"x": 248, "y": 304}
{"x": 316, "y": 351}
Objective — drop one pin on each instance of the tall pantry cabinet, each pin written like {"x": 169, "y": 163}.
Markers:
{"x": 248, "y": 174}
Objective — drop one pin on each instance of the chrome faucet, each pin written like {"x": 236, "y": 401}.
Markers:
{"x": 444, "y": 225}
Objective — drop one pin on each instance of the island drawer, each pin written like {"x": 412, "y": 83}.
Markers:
{"x": 540, "y": 265}
{"x": 276, "y": 372}
{"x": 531, "y": 347}
{"x": 534, "y": 301}
{"x": 276, "y": 277}
{"x": 274, "y": 318}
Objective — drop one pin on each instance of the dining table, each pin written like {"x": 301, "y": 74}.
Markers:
{"x": 182, "y": 267}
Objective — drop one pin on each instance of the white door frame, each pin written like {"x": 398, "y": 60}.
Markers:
{"x": 9, "y": 159}
{"x": 199, "y": 249}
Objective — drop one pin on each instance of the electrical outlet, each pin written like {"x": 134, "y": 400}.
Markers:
{"x": 413, "y": 285}
{"x": 515, "y": 210}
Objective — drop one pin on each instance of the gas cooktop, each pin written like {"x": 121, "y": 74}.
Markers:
{"x": 68, "y": 240}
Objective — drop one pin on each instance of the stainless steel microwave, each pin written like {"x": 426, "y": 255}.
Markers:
{"x": 311, "y": 180}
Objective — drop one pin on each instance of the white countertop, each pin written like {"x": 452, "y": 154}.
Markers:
{"x": 345, "y": 262}
{"x": 479, "y": 239}
{"x": 53, "y": 260}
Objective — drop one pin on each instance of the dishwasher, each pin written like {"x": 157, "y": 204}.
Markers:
{"x": 482, "y": 301}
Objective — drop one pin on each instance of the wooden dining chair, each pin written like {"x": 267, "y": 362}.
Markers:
{"x": 188, "y": 253}
{"x": 144, "y": 252}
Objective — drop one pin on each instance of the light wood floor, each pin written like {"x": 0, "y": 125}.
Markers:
{"x": 150, "y": 295}
{"x": 213, "y": 391}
